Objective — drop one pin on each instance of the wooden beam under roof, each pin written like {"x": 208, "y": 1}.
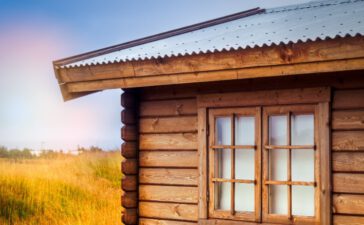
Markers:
{"x": 340, "y": 54}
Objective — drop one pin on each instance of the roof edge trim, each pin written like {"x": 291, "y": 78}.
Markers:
{"x": 156, "y": 37}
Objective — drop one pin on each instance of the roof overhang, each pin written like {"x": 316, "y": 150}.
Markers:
{"x": 322, "y": 56}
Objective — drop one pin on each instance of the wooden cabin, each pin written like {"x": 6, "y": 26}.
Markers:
{"x": 252, "y": 118}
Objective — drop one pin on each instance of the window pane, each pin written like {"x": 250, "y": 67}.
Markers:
{"x": 303, "y": 200}
{"x": 222, "y": 196}
{"x": 302, "y": 130}
{"x": 278, "y": 164}
{"x": 223, "y": 129}
{"x": 244, "y": 130}
{"x": 244, "y": 197}
{"x": 303, "y": 165}
{"x": 278, "y": 199}
{"x": 244, "y": 164}
{"x": 278, "y": 130}
{"x": 223, "y": 163}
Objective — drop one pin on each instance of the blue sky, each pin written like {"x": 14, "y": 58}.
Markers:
{"x": 33, "y": 33}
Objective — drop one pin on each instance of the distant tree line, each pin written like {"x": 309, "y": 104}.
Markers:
{"x": 27, "y": 153}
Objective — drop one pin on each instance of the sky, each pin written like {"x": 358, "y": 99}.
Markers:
{"x": 33, "y": 33}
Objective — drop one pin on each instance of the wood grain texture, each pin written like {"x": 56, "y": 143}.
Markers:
{"x": 174, "y": 211}
{"x": 168, "y": 108}
{"x": 129, "y": 150}
{"x": 348, "y": 220}
{"x": 183, "y": 141}
{"x": 168, "y": 124}
{"x": 348, "y": 120}
{"x": 348, "y": 161}
{"x": 129, "y": 133}
{"x": 254, "y": 98}
{"x": 348, "y": 140}
{"x": 348, "y": 204}
{"x": 145, "y": 221}
{"x": 129, "y": 183}
{"x": 130, "y": 216}
{"x": 129, "y": 199}
{"x": 176, "y": 194}
{"x": 168, "y": 158}
{"x": 129, "y": 116}
{"x": 348, "y": 183}
{"x": 348, "y": 99}
{"x": 168, "y": 176}
{"x": 129, "y": 166}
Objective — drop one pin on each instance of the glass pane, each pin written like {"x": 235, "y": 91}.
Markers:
{"x": 303, "y": 200}
{"x": 244, "y": 164}
{"x": 278, "y": 164}
{"x": 278, "y": 130}
{"x": 244, "y": 197}
{"x": 223, "y": 163}
{"x": 223, "y": 131}
{"x": 302, "y": 130}
{"x": 222, "y": 196}
{"x": 278, "y": 199}
{"x": 303, "y": 165}
{"x": 244, "y": 130}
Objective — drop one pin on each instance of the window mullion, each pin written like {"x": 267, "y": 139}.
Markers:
{"x": 232, "y": 201}
{"x": 289, "y": 166}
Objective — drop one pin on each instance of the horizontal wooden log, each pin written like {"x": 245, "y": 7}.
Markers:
{"x": 129, "y": 149}
{"x": 348, "y": 220}
{"x": 168, "y": 124}
{"x": 168, "y": 176}
{"x": 129, "y": 199}
{"x": 348, "y": 161}
{"x": 168, "y": 108}
{"x": 348, "y": 120}
{"x": 129, "y": 116}
{"x": 168, "y": 158}
{"x": 348, "y": 183}
{"x": 175, "y": 194}
{"x": 130, "y": 216}
{"x": 129, "y": 99}
{"x": 348, "y": 140}
{"x": 145, "y": 221}
{"x": 129, "y": 133}
{"x": 348, "y": 99}
{"x": 168, "y": 211}
{"x": 129, "y": 166}
{"x": 348, "y": 204}
{"x": 277, "y": 97}
{"x": 129, "y": 183}
{"x": 185, "y": 141}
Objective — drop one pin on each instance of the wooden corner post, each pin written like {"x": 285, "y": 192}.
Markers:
{"x": 129, "y": 150}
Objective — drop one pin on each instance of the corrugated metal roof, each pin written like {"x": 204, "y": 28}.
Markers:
{"x": 303, "y": 22}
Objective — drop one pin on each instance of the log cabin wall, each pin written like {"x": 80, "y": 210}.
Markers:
{"x": 168, "y": 157}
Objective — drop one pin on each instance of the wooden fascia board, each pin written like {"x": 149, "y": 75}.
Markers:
{"x": 339, "y": 54}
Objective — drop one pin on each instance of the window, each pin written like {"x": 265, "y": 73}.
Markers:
{"x": 267, "y": 163}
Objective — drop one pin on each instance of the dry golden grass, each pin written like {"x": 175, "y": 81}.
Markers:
{"x": 72, "y": 190}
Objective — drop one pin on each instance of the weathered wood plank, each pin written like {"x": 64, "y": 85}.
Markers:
{"x": 187, "y": 141}
{"x": 348, "y": 204}
{"x": 348, "y": 99}
{"x": 145, "y": 221}
{"x": 168, "y": 124}
{"x": 168, "y": 211}
{"x": 254, "y": 98}
{"x": 348, "y": 183}
{"x": 348, "y": 220}
{"x": 168, "y": 176}
{"x": 348, "y": 140}
{"x": 348, "y": 161}
{"x": 168, "y": 159}
{"x": 348, "y": 119}
{"x": 177, "y": 194}
{"x": 168, "y": 108}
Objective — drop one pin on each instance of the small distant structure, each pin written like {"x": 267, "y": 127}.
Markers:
{"x": 252, "y": 118}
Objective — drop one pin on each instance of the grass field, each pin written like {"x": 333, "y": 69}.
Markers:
{"x": 72, "y": 190}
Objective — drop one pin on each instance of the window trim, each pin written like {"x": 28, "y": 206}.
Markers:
{"x": 319, "y": 96}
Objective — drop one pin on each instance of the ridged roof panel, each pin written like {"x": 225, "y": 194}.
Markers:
{"x": 310, "y": 21}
